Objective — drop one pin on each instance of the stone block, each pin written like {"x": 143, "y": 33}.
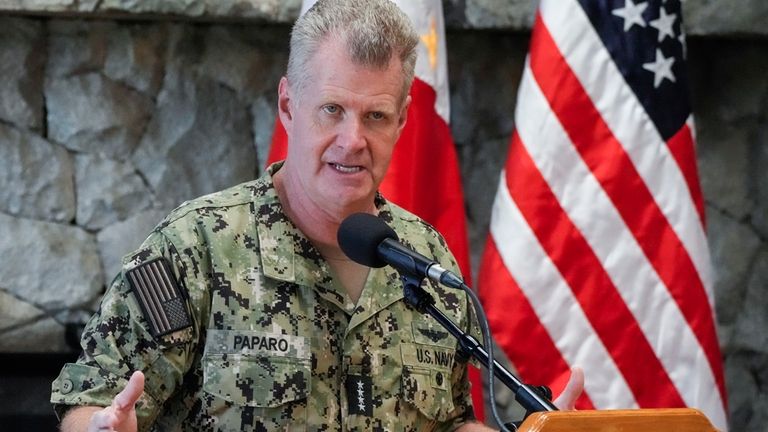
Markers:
{"x": 479, "y": 111}
{"x": 733, "y": 245}
{"x": 737, "y": 17}
{"x": 183, "y": 7}
{"x": 37, "y": 177}
{"x": 263, "y": 114}
{"x": 90, "y": 113}
{"x": 269, "y": 10}
{"x": 760, "y": 160}
{"x": 702, "y": 17}
{"x": 508, "y": 14}
{"x": 107, "y": 191}
{"x": 481, "y": 185}
{"x": 724, "y": 158}
{"x": 49, "y": 265}
{"x": 747, "y": 375}
{"x": 21, "y": 68}
{"x": 135, "y": 56}
{"x": 76, "y": 47}
{"x": 728, "y": 79}
{"x": 15, "y": 312}
{"x": 123, "y": 237}
{"x": 247, "y": 69}
{"x": 751, "y": 330}
{"x": 198, "y": 141}
{"x": 283, "y": 11}
{"x": 26, "y": 328}
{"x": 743, "y": 389}
{"x": 45, "y": 335}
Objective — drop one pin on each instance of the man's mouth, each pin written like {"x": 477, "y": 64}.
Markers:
{"x": 346, "y": 169}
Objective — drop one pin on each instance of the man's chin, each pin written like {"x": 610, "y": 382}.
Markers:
{"x": 354, "y": 199}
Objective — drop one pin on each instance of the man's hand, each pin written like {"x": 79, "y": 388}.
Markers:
{"x": 119, "y": 417}
{"x": 567, "y": 399}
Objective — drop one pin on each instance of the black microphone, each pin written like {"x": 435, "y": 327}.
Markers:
{"x": 369, "y": 241}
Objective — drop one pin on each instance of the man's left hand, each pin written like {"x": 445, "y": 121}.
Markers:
{"x": 567, "y": 399}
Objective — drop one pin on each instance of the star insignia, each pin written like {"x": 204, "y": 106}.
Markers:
{"x": 661, "y": 68}
{"x": 664, "y": 25}
{"x": 632, "y": 14}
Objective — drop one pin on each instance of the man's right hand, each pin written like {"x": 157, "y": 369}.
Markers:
{"x": 118, "y": 417}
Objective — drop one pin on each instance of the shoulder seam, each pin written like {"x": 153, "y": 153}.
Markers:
{"x": 199, "y": 203}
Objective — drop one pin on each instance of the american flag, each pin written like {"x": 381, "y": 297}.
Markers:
{"x": 597, "y": 254}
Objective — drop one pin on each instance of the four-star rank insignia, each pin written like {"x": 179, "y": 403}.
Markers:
{"x": 359, "y": 395}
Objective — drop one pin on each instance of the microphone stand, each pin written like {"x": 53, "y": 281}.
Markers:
{"x": 527, "y": 396}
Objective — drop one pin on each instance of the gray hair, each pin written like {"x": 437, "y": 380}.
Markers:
{"x": 373, "y": 30}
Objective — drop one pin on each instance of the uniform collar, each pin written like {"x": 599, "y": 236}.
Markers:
{"x": 277, "y": 234}
{"x": 288, "y": 255}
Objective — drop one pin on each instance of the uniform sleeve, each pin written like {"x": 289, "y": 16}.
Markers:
{"x": 118, "y": 340}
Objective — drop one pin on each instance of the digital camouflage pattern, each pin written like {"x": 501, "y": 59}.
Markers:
{"x": 276, "y": 343}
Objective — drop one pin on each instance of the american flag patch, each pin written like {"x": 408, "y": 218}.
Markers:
{"x": 159, "y": 296}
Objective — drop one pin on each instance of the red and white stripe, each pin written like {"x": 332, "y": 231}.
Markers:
{"x": 598, "y": 226}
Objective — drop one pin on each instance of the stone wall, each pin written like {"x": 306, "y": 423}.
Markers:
{"x": 104, "y": 128}
{"x": 106, "y": 124}
{"x": 703, "y": 17}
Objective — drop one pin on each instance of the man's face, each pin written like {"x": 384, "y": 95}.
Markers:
{"x": 342, "y": 128}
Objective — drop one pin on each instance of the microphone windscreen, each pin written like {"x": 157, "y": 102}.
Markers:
{"x": 360, "y": 235}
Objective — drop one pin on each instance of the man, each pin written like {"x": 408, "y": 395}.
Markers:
{"x": 240, "y": 312}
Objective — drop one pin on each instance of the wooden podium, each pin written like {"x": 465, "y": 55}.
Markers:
{"x": 639, "y": 420}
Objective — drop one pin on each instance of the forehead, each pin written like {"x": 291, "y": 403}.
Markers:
{"x": 332, "y": 69}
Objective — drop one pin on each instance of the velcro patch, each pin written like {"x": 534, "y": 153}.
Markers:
{"x": 360, "y": 395}
{"x": 159, "y": 296}
{"x": 432, "y": 334}
{"x": 427, "y": 356}
{"x": 256, "y": 343}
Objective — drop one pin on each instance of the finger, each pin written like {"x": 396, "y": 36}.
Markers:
{"x": 102, "y": 420}
{"x": 572, "y": 391}
{"x": 126, "y": 399}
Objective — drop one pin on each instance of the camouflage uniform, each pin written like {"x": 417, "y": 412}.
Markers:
{"x": 275, "y": 343}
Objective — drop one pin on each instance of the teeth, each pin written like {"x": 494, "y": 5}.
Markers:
{"x": 346, "y": 169}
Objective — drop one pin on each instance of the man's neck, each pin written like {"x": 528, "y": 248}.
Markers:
{"x": 319, "y": 223}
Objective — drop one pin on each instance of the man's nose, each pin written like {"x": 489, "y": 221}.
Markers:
{"x": 352, "y": 135}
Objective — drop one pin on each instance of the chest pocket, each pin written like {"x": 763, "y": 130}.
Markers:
{"x": 426, "y": 379}
{"x": 256, "y": 381}
{"x": 253, "y": 369}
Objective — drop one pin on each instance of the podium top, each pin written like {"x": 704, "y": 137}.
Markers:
{"x": 639, "y": 420}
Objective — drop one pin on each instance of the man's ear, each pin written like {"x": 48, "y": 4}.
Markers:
{"x": 403, "y": 115}
{"x": 284, "y": 104}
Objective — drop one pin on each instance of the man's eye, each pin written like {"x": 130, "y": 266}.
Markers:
{"x": 331, "y": 109}
{"x": 376, "y": 115}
